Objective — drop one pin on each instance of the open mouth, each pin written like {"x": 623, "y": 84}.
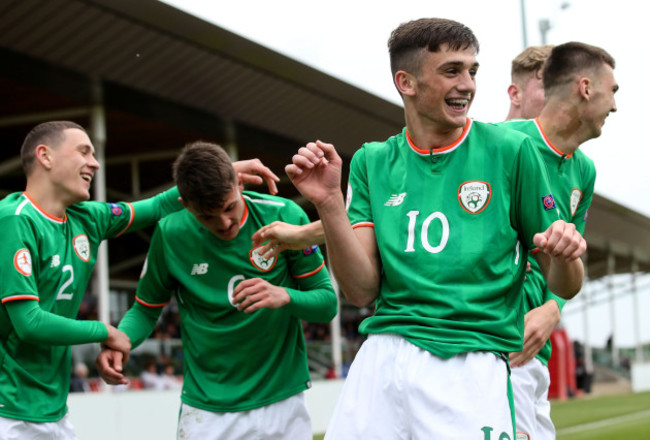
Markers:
{"x": 457, "y": 104}
{"x": 87, "y": 177}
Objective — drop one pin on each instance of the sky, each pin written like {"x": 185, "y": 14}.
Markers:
{"x": 347, "y": 39}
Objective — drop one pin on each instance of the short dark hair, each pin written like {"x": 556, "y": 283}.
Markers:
{"x": 204, "y": 175}
{"x": 407, "y": 40}
{"x": 48, "y": 133}
{"x": 530, "y": 61}
{"x": 571, "y": 59}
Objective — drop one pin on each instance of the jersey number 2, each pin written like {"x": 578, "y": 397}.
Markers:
{"x": 62, "y": 294}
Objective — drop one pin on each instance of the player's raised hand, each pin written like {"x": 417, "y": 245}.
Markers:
{"x": 255, "y": 293}
{"x": 561, "y": 241}
{"x": 316, "y": 172}
{"x": 109, "y": 365}
{"x": 253, "y": 171}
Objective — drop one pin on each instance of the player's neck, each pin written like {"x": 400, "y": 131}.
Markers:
{"x": 514, "y": 113}
{"x": 562, "y": 130}
{"x": 47, "y": 199}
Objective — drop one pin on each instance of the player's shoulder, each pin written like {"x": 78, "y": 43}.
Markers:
{"x": 268, "y": 200}
{"x": 587, "y": 165}
{"x": 584, "y": 159}
{"x": 496, "y": 134}
{"x": 10, "y": 204}
{"x": 269, "y": 207}
{"x": 377, "y": 147}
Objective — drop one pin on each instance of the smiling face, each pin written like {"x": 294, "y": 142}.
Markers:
{"x": 72, "y": 166}
{"x": 601, "y": 102}
{"x": 445, "y": 86}
{"x": 224, "y": 221}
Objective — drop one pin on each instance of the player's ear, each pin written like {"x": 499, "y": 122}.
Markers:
{"x": 405, "y": 83}
{"x": 584, "y": 88}
{"x": 44, "y": 156}
{"x": 513, "y": 93}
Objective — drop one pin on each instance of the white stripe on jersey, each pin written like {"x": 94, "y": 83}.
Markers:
{"x": 265, "y": 202}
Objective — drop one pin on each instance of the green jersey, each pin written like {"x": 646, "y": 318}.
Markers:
{"x": 47, "y": 264}
{"x": 233, "y": 361}
{"x": 572, "y": 178}
{"x": 453, "y": 226}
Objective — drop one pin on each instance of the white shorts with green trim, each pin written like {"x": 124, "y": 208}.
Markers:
{"x": 287, "y": 419}
{"x": 530, "y": 385}
{"x": 397, "y": 391}
{"x": 11, "y": 429}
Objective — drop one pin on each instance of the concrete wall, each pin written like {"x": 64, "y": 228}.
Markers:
{"x": 143, "y": 415}
{"x": 640, "y": 376}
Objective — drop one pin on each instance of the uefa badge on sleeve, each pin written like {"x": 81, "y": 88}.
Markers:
{"x": 549, "y": 202}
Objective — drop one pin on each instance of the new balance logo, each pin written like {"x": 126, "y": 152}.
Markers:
{"x": 395, "y": 200}
{"x": 200, "y": 269}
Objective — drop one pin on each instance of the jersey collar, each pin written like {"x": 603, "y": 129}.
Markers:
{"x": 42, "y": 211}
{"x": 548, "y": 143}
{"x": 441, "y": 150}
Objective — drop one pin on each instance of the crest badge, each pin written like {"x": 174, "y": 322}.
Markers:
{"x": 474, "y": 196}
{"x": 261, "y": 263}
{"x": 576, "y": 196}
{"x": 82, "y": 247}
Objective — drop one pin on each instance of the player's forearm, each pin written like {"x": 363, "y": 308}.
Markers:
{"x": 36, "y": 326}
{"x": 138, "y": 323}
{"x": 316, "y": 300}
{"x": 352, "y": 261}
{"x": 565, "y": 278}
{"x": 312, "y": 234}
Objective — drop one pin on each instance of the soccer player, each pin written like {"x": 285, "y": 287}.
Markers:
{"x": 51, "y": 235}
{"x": 527, "y": 91}
{"x": 245, "y": 358}
{"x": 439, "y": 220}
{"x": 579, "y": 86}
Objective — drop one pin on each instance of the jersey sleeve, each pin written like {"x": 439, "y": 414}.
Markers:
{"x": 139, "y": 322}
{"x": 358, "y": 195}
{"x": 114, "y": 219}
{"x": 17, "y": 271}
{"x": 154, "y": 292}
{"x": 34, "y": 325}
{"x": 314, "y": 300}
{"x": 533, "y": 207}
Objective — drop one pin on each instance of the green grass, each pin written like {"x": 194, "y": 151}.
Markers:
{"x": 319, "y": 437}
{"x": 613, "y": 417}
{"x": 621, "y": 416}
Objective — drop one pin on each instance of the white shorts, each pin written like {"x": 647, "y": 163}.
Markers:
{"x": 530, "y": 384}
{"x": 284, "y": 420}
{"x": 12, "y": 429}
{"x": 397, "y": 391}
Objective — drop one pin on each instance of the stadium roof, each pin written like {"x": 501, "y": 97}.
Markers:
{"x": 164, "y": 77}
